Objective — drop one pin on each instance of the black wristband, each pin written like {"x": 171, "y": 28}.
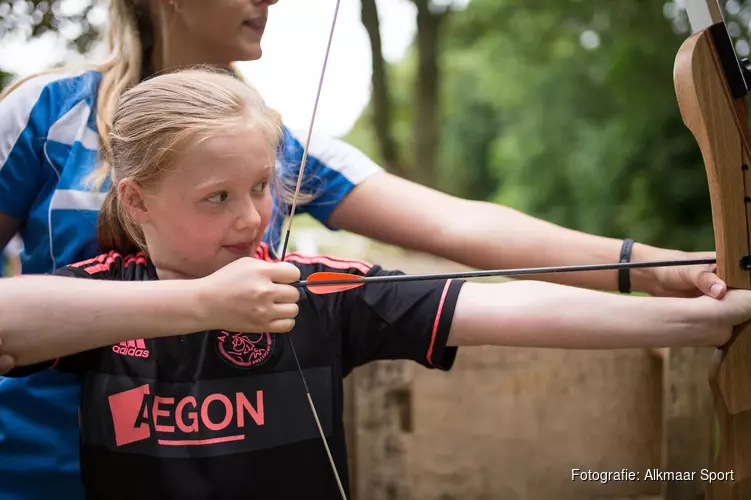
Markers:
{"x": 624, "y": 275}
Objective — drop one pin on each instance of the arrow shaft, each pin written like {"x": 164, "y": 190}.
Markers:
{"x": 507, "y": 272}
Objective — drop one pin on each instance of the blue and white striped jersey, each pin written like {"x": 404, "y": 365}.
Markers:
{"x": 48, "y": 147}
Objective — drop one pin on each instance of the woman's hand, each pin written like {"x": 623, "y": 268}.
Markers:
{"x": 251, "y": 295}
{"x": 688, "y": 281}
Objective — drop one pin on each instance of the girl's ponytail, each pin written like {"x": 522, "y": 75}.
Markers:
{"x": 112, "y": 229}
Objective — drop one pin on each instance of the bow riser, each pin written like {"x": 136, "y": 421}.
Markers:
{"x": 710, "y": 87}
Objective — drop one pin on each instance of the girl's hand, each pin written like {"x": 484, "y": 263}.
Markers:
{"x": 734, "y": 309}
{"x": 251, "y": 295}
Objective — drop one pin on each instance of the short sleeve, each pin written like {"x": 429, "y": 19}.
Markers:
{"x": 390, "y": 320}
{"x": 401, "y": 320}
{"x": 333, "y": 169}
{"x": 26, "y": 113}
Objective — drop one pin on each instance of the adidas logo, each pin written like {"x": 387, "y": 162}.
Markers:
{"x": 136, "y": 348}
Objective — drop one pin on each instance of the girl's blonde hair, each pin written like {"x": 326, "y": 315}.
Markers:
{"x": 163, "y": 116}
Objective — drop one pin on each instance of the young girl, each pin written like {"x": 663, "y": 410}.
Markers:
{"x": 51, "y": 129}
{"x": 186, "y": 392}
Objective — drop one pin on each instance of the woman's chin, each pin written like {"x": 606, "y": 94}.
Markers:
{"x": 247, "y": 52}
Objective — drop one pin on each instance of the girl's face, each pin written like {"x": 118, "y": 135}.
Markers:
{"x": 224, "y": 29}
{"x": 212, "y": 209}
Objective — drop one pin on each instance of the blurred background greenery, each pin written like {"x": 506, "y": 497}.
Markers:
{"x": 564, "y": 109}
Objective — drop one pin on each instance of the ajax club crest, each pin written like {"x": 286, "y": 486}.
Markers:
{"x": 245, "y": 350}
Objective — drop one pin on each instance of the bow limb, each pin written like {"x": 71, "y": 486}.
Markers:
{"x": 711, "y": 88}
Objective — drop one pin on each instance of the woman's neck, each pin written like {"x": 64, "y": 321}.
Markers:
{"x": 172, "y": 55}
{"x": 175, "y": 48}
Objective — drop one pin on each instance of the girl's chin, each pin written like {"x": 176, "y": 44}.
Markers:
{"x": 241, "y": 250}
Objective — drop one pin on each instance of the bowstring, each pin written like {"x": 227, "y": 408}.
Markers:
{"x": 286, "y": 242}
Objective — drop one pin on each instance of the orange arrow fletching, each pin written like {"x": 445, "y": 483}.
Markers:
{"x": 326, "y": 289}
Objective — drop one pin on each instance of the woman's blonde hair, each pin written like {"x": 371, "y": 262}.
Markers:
{"x": 130, "y": 38}
{"x": 160, "y": 118}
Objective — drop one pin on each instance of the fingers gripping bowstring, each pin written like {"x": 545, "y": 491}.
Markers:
{"x": 286, "y": 242}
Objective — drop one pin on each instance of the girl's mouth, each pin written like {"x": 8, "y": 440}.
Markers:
{"x": 243, "y": 249}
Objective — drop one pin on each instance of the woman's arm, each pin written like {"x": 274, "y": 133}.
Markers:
{"x": 48, "y": 317}
{"x": 537, "y": 314}
{"x": 488, "y": 236}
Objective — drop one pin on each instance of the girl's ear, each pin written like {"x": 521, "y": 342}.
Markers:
{"x": 133, "y": 200}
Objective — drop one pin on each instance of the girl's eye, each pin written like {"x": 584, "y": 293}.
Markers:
{"x": 260, "y": 188}
{"x": 218, "y": 197}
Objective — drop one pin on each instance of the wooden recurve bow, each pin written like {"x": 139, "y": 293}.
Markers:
{"x": 710, "y": 84}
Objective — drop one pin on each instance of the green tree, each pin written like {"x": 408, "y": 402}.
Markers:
{"x": 76, "y": 21}
{"x": 567, "y": 111}
{"x": 593, "y": 138}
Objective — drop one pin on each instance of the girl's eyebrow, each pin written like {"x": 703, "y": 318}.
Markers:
{"x": 262, "y": 172}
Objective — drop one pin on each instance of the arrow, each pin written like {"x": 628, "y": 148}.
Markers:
{"x": 323, "y": 283}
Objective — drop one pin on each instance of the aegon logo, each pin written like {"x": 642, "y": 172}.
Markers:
{"x": 137, "y": 413}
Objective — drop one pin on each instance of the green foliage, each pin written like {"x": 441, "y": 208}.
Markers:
{"x": 594, "y": 138}
{"x": 33, "y": 18}
{"x": 5, "y": 79}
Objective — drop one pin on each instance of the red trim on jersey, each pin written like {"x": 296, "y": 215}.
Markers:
{"x": 105, "y": 261}
{"x": 264, "y": 253}
{"x": 98, "y": 258}
{"x": 139, "y": 258}
{"x": 333, "y": 262}
{"x": 437, "y": 321}
{"x": 103, "y": 266}
{"x": 258, "y": 254}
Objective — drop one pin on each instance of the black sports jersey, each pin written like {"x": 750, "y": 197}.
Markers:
{"x": 223, "y": 415}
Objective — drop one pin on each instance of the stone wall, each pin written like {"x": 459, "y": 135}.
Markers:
{"x": 505, "y": 423}
{"x": 508, "y": 423}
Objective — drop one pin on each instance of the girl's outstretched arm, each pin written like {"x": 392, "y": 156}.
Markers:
{"x": 538, "y": 314}
{"x": 48, "y": 317}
